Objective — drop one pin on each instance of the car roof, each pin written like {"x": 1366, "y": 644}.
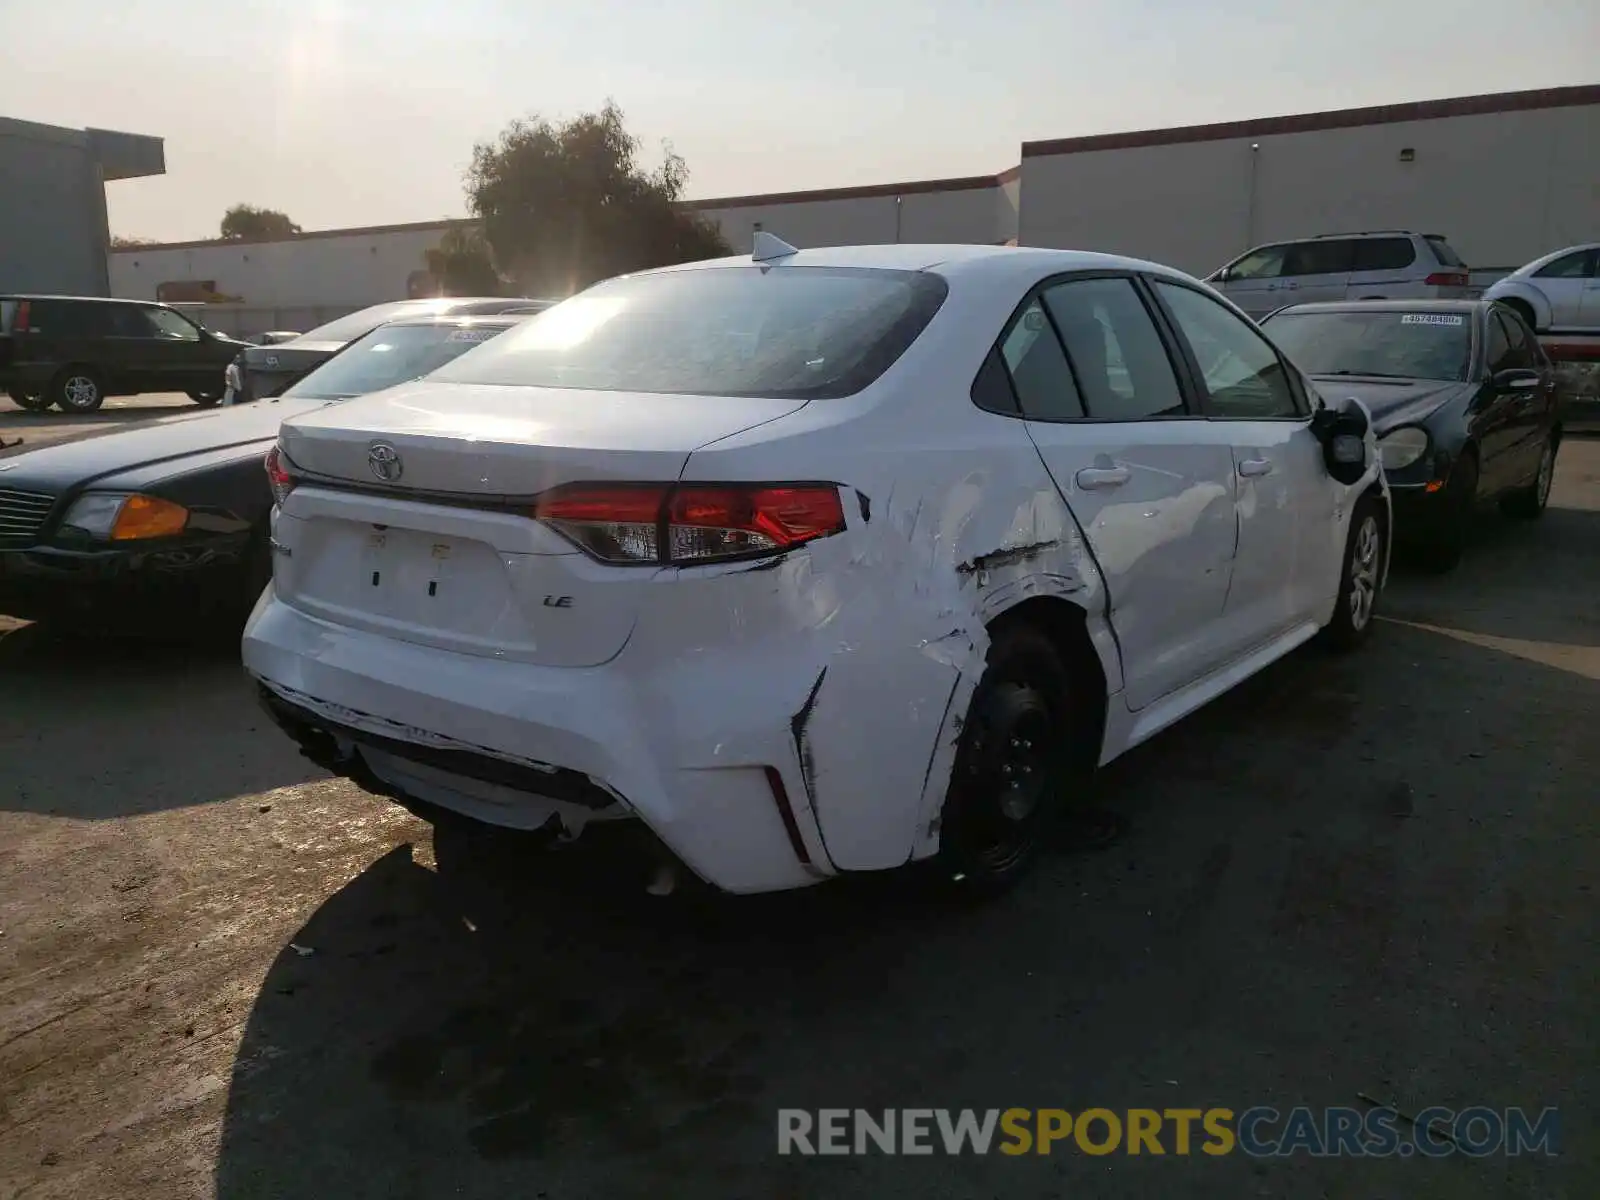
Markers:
{"x": 459, "y": 320}
{"x": 951, "y": 260}
{"x": 1545, "y": 260}
{"x": 1416, "y": 306}
{"x": 86, "y": 299}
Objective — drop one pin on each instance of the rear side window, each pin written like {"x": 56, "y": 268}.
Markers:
{"x": 1039, "y": 373}
{"x": 1383, "y": 254}
{"x": 1444, "y": 253}
{"x": 1121, "y": 365}
{"x": 1571, "y": 266}
{"x": 791, "y": 332}
{"x": 69, "y": 318}
{"x": 1326, "y": 256}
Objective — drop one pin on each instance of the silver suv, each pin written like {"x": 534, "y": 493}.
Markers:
{"x": 1388, "y": 264}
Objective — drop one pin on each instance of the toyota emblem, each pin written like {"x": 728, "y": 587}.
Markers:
{"x": 384, "y": 460}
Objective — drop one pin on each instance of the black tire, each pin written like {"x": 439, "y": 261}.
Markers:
{"x": 1023, "y": 750}
{"x": 1360, "y": 577}
{"x": 78, "y": 389}
{"x": 205, "y": 399}
{"x": 28, "y": 402}
{"x": 1528, "y": 503}
{"x": 1447, "y": 541}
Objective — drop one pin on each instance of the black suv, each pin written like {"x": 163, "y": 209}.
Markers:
{"x": 74, "y": 351}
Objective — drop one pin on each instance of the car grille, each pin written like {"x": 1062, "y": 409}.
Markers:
{"x": 22, "y": 515}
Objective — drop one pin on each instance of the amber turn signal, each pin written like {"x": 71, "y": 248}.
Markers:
{"x": 148, "y": 517}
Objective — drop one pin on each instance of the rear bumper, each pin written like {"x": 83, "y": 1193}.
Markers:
{"x": 515, "y": 745}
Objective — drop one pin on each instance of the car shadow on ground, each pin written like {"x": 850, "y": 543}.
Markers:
{"x": 1333, "y": 882}
{"x": 138, "y": 708}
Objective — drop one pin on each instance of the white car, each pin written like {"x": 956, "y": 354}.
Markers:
{"x": 1556, "y": 294}
{"x": 814, "y": 562}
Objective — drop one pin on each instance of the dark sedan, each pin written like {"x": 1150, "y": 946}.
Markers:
{"x": 166, "y": 521}
{"x": 1463, "y": 401}
{"x": 263, "y": 371}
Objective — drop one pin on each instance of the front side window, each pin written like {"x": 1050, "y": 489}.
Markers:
{"x": 1265, "y": 263}
{"x": 782, "y": 332}
{"x": 1242, "y": 372}
{"x": 168, "y": 324}
{"x": 389, "y": 355}
{"x": 1520, "y": 354}
{"x": 1570, "y": 266}
{"x": 1120, "y": 362}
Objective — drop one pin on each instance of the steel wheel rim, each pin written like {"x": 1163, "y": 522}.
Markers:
{"x": 81, "y": 391}
{"x": 1007, "y": 779}
{"x": 1547, "y": 471}
{"x": 1364, "y": 572}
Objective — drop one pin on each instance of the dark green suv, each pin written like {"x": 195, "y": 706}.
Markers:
{"x": 74, "y": 351}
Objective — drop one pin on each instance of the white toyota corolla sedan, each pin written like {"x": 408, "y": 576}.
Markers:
{"x": 814, "y": 561}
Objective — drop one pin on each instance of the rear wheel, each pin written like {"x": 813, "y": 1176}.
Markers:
{"x": 1361, "y": 579}
{"x": 78, "y": 389}
{"x": 1017, "y": 762}
{"x": 1529, "y": 502}
{"x": 1448, "y": 541}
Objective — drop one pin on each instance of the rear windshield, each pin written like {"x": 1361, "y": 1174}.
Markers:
{"x": 387, "y": 356}
{"x": 1391, "y": 344}
{"x": 353, "y": 326}
{"x": 787, "y": 332}
{"x": 1442, "y": 251}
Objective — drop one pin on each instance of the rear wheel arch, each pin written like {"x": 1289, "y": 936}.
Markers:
{"x": 1067, "y": 626}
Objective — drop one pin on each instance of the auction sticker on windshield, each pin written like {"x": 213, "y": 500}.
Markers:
{"x": 1433, "y": 319}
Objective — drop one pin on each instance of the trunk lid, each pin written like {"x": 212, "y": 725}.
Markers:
{"x": 267, "y": 370}
{"x": 405, "y": 558}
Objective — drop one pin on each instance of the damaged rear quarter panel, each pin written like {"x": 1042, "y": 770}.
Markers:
{"x": 877, "y": 636}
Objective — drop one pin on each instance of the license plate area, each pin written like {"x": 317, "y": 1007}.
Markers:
{"x": 421, "y": 578}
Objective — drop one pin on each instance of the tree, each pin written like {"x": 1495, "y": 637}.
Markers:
{"x": 248, "y": 221}
{"x": 462, "y": 265}
{"x": 565, "y": 204}
{"x": 118, "y": 242}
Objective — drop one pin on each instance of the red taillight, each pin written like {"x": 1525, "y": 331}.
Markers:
{"x": 690, "y": 523}
{"x": 278, "y": 475}
{"x": 1448, "y": 279}
{"x": 19, "y": 323}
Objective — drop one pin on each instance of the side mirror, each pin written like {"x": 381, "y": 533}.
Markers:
{"x": 1219, "y": 276}
{"x": 1342, "y": 430}
{"x": 1516, "y": 379}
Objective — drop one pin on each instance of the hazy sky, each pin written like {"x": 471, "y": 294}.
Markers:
{"x": 364, "y": 112}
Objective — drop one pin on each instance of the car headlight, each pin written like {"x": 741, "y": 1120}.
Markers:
{"x": 1402, "y": 448}
{"x": 230, "y": 375}
{"x": 124, "y": 516}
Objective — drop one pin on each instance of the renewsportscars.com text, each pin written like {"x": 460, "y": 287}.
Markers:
{"x": 1258, "y": 1132}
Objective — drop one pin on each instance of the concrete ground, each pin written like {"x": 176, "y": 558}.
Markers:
{"x": 223, "y": 974}
{"x": 40, "y": 429}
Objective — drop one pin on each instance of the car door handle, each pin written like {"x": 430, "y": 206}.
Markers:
{"x": 1252, "y": 468}
{"x": 1091, "y": 478}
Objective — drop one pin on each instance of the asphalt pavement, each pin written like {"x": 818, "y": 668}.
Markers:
{"x": 222, "y": 974}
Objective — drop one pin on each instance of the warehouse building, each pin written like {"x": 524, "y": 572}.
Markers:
{"x": 1504, "y": 177}
{"x": 53, "y": 235}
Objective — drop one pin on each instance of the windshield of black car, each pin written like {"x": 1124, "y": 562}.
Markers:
{"x": 348, "y": 328}
{"x": 1407, "y": 345}
{"x": 389, "y": 355}
{"x": 783, "y": 332}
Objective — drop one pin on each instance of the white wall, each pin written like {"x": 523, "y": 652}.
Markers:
{"x": 352, "y": 269}
{"x": 1502, "y": 187}
{"x": 960, "y": 214}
